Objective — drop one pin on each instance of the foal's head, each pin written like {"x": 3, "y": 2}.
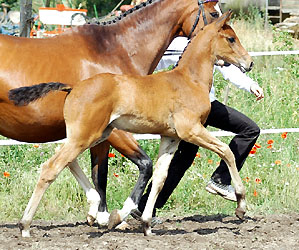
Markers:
{"x": 227, "y": 46}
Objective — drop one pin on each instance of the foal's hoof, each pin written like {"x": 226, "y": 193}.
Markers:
{"x": 240, "y": 213}
{"x": 114, "y": 219}
{"x": 147, "y": 230}
{"x": 90, "y": 220}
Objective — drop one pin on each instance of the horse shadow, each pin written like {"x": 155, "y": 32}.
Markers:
{"x": 226, "y": 222}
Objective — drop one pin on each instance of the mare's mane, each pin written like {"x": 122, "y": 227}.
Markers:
{"x": 128, "y": 12}
{"x": 180, "y": 57}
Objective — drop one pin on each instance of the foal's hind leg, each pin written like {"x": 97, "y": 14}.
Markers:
{"x": 49, "y": 172}
{"x": 200, "y": 136}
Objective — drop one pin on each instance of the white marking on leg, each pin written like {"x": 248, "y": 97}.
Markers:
{"x": 93, "y": 198}
{"x": 129, "y": 206}
{"x": 103, "y": 218}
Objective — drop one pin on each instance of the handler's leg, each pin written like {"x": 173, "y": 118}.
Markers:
{"x": 246, "y": 130}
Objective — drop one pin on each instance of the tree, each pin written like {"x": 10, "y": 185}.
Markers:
{"x": 26, "y": 17}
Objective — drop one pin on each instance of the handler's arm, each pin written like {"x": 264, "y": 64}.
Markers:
{"x": 241, "y": 80}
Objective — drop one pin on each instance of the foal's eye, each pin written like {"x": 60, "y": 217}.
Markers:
{"x": 214, "y": 14}
{"x": 231, "y": 39}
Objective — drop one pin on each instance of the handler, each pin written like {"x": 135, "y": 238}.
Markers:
{"x": 221, "y": 117}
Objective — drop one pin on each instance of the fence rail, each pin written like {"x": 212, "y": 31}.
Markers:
{"x": 152, "y": 137}
{"x": 262, "y": 53}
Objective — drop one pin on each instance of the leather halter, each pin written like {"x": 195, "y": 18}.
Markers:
{"x": 201, "y": 9}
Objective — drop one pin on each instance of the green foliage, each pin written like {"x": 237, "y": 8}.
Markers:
{"x": 253, "y": 15}
{"x": 283, "y": 41}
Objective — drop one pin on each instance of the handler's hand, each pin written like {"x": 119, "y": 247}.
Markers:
{"x": 257, "y": 91}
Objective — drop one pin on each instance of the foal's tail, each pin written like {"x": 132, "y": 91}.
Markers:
{"x": 24, "y": 95}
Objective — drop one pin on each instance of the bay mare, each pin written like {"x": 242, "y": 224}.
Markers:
{"x": 174, "y": 104}
{"x": 120, "y": 46}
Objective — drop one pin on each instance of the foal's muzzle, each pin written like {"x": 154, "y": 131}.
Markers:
{"x": 245, "y": 68}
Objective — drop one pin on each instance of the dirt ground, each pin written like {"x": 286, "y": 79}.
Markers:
{"x": 194, "y": 232}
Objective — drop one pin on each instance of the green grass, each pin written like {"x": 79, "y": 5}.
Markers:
{"x": 278, "y": 187}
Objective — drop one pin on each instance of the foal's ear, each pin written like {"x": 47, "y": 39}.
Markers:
{"x": 223, "y": 19}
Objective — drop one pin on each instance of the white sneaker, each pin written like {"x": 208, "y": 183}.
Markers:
{"x": 226, "y": 191}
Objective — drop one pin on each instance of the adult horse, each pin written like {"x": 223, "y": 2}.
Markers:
{"x": 174, "y": 104}
{"x": 118, "y": 46}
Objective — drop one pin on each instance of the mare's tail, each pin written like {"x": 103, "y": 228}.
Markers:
{"x": 24, "y": 95}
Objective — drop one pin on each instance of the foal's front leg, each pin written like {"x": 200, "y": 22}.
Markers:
{"x": 168, "y": 146}
{"x": 199, "y": 135}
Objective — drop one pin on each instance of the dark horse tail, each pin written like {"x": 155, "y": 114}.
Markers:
{"x": 24, "y": 95}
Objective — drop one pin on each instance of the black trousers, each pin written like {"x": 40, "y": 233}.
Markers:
{"x": 222, "y": 117}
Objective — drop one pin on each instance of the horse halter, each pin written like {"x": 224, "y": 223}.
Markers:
{"x": 201, "y": 9}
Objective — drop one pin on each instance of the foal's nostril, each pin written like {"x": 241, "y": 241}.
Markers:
{"x": 251, "y": 65}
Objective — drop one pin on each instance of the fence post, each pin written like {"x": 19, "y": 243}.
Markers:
{"x": 25, "y": 17}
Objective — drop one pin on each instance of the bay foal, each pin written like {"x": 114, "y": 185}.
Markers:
{"x": 118, "y": 46}
{"x": 174, "y": 104}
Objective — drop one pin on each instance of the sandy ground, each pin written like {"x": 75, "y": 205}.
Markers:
{"x": 280, "y": 231}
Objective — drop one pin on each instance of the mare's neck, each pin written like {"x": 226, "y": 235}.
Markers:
{"x": 143, "y": 35}
{"x": 198, "y": 59}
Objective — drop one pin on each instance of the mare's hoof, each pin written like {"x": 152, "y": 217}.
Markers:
{"x": 240, "y": 213}
{"x": 114, "y": 219}
{"x": 90, "y": 220}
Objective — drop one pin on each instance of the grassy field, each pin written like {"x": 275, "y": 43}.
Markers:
{"x": 271, "y": 175}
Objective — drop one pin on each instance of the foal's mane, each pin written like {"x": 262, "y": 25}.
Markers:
{"x": 128, "y": 12}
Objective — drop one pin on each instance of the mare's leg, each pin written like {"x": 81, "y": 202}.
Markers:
{"x": 126, "y": 144}
{"x": 92, "y": 195}
{"x": 199, "y": 135}
{"x": 49, "y": 172}
{"x": 168, "y": 146}
{"x": 99, "y": 172}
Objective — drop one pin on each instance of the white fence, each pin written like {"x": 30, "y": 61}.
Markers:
{"x": 152, "y": 137}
